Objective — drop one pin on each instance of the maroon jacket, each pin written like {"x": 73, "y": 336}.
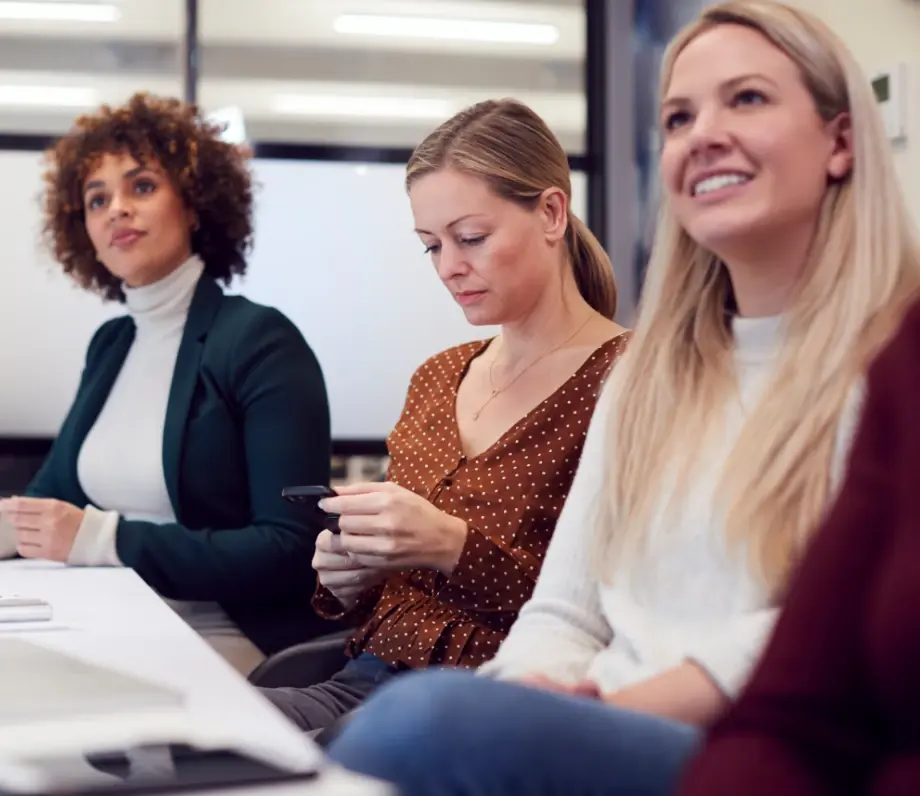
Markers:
{"x": 834, "y": 706}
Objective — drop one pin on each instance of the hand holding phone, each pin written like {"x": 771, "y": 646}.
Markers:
{"x": 342, "y": 574}
{"x": 310, "y": 496}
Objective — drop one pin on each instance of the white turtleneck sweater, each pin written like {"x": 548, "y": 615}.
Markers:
{"x": 120, "y": 465}
{"x": 687, "y": 597}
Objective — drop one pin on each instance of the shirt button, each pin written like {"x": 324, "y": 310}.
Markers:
{"x": 447, "y": 481}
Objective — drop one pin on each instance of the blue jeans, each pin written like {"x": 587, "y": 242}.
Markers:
{"x": 451, "y": 732}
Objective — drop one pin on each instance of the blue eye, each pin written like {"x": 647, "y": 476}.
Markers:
{"x": 675, "y": 119}
{"x": 144, "y": 186}
{"x": 95, "y": 202}
{"x": 749, "y": 97}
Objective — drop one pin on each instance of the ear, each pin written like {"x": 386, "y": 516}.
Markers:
{"x": 554, "y": 213}
{"x": 840, "y": 133}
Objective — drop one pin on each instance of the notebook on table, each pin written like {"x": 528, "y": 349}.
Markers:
{"x": 15, "y": 608}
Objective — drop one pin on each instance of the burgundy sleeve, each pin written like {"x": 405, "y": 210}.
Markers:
{"x": 804, "y": 725}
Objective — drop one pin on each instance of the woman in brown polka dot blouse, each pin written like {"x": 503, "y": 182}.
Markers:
{"x": 435, "y": 563}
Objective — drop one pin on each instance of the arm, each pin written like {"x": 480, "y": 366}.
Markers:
{"x": 719, "y": 662}
{"x": 278, "y": 388}
{"x": 46, "y": 483}
{"x": 562, "y": 628}
{"x": 325, "y": 603}
{"x": 804, "y": 725}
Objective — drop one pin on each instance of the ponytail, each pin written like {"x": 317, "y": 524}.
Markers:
{"x": 592, "y": 267}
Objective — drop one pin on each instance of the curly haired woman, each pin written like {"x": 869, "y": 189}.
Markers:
{"x": 196, "y": 408}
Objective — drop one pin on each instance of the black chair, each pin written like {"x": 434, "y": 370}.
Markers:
{"x": 303, "y": 664}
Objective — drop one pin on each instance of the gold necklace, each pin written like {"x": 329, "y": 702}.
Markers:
{"x": 499, "y": 390}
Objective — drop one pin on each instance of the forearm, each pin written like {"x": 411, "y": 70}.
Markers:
{"x": 685, "y": 693}
{"x": 448, "y": 549}
{"x": 255, "y": 563}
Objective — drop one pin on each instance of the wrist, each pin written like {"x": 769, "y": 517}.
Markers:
{"x": 454, "y": 535}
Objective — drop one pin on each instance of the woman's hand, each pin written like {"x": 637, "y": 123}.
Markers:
{"x": 386, "y": 526}
{"x": 585, "y": 689}
{"x": 44, "y": 528}
{"x": 341, "y": 574}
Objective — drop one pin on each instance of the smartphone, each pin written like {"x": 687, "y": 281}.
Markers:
{"x": 310, "y": 496}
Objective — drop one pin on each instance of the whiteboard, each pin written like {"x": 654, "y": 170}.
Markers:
{"x": 334, "y": 250}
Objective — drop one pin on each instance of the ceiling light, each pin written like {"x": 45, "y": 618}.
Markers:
{"x": 60, "y": 12}
{"x": 373, "y": 107}
{"x": 55, "y": 96}
{"x": 457, "y": 29}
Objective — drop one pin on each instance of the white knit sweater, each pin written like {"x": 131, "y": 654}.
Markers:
{"x": 686, "y": 597}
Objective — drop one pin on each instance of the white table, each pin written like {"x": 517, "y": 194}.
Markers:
{"x": 111, "y": 617}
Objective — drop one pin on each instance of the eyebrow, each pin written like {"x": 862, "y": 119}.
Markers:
{"x": 129, "y": 174}
{"x": 451, "y": 224}
{"x": 730, "y": 83}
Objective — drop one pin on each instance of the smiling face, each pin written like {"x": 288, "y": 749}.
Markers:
{"x": 495, "y": 256}
{"x": 136, "y": 220}
{"x": 746, "y": 157}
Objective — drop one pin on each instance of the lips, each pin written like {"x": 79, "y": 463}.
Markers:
{"x": 123, "y": 238}
{"x": 469, "y": 296}
{"x": 709, "y": 183}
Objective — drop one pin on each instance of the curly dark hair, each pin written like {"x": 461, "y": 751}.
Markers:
{"x": 211, "y": 176}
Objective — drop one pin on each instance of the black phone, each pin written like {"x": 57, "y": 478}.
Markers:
{"x": 310, "y": 496}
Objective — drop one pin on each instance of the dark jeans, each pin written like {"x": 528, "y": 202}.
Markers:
{"x": 320, "y": 705}
{"x": 446, "y": 733}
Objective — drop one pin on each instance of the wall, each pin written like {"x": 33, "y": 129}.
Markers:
{"x": 881, "y": 32}
{"x": 334, "y": 250}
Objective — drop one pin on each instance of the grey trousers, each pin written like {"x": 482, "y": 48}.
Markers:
{"x": 320, "y": 706}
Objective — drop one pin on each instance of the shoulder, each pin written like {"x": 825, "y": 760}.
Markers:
{"x": 893, "y": 378}
{"x": 446, "y": 366}
{"x": 608, "y": 352}
{"x": 900, "y": 357}
{"x": 249, "y": 343}
{"x": 242, "y": 327}
{"x": 241, "y": 315}
{"x": 598, "y": 367}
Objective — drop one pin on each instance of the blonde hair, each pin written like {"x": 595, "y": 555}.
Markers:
{"x": 509, "y": 147}
{"x": 863, "y": 268}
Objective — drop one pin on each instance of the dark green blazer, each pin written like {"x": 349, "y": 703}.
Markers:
{"x": 247, "y": 415}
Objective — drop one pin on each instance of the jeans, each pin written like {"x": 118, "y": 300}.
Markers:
{"x": 445, "y": 733}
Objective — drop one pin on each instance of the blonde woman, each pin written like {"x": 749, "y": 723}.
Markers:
{"x": 433, "y": 566}
{"x": 783, "y": 261}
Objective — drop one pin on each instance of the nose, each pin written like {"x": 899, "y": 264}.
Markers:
{"x": 709, "y": 134}
{"x": 119, "y": 207}
{"x": 450, "y": 262}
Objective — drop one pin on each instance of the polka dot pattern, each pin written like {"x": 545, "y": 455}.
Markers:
{"x": 510, "y": 497}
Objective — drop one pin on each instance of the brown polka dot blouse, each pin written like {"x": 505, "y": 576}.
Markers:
{"x": 510, "y": 496}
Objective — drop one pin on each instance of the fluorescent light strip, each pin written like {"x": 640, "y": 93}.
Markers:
{"x": 456, "y": 29}
{"x": 366, "y": 107}
{"x": 60, "y": 12}
{"x": 48, "y": 96}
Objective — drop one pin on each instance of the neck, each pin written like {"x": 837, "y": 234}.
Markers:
{"x": 765, "y": 278}
{"x": 555, "y": 316}
{"x": 155, "y": 274}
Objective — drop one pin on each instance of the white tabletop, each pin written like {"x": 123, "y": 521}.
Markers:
{"x": 111, "y": 617}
